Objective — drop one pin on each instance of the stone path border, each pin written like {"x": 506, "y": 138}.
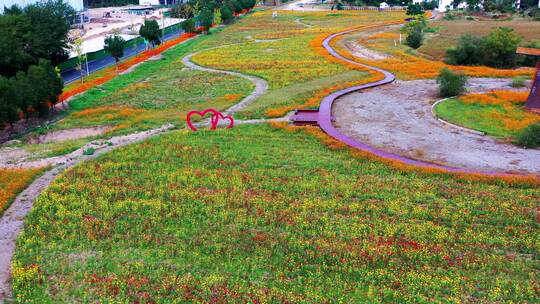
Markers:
{"x": 434, "y": 114}
{"x": 325, "y": 120}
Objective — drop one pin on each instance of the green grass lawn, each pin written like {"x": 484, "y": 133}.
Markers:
{"x": 263, "y": 214}
{"x": 485, "y": 117}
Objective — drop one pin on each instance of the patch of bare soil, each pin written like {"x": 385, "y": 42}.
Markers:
{"x": 360, "y": 51}
{"x": 397, "y": 118}
{"x": 133, "y": 67}
{"x": 63, "y": 135}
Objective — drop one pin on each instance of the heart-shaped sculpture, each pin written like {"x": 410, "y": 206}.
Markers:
{"x": 214, "y": 119}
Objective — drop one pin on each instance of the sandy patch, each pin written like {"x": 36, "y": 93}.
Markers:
{"x": 133, "y": 67}
{"x": 63, "y": 135}
{"x": 397, "y": 118}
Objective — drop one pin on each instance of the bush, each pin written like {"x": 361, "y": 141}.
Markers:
{"x": 450, "y": 83}
{"x": 498, "y": 49}
{"x": 467, "y": 52}
{"x": 206, "y": 18}
{"x": 188, "y": 25}
{"x": 530, "y": 136}
{"x": 226, "y": 14}
{"x": 415, "y": 38}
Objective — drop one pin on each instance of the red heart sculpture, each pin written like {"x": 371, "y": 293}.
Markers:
{"x": 214, "y": 119}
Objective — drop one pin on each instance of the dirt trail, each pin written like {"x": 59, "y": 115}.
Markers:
{"x": 261, "y": 85}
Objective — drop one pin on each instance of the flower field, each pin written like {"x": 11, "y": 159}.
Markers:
{"x": 293, "y": 59}
{"x": 190, "y": 217}
{"x": 498, "y": 113}
{"x": 408, "y": 66}
{"x": 13, "y": 181}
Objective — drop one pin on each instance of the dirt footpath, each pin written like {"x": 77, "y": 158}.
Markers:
{"x": 397, "y": 118}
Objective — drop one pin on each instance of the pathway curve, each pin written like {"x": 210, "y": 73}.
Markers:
{"x": 261, "y": 85}
{"x": 402, "y": 130}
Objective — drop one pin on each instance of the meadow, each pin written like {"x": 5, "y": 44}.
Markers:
{"x": 190, "y": 217}
{"x": 448, "y": 32}
{"x": 266, "y": 213}
{"x": 497, "y": 113}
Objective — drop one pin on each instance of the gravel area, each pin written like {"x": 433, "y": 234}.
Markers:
{"x": 397, "y": 118}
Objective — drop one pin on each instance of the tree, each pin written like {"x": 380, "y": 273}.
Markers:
{"x": 414, "y": 9}
{"x": 9, "y": 112}
{"x": 468, "y": 51}
{"x": 81, "y": 56}
{"x": 188, "y": 25}
{"x": 499, "y": 47}
{"x": 415, "y": 38}
{"x": 183, "y": 11}
{"x": 115, "y": 45}
{"x": 226, "y": 14}
{"x": 217, "y": 16}
{"x": 150, "y": 32}
{"x": 206, "y": 18}
{"x": 37, "y": 31}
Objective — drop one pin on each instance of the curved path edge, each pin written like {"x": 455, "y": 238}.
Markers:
{"x": 325, "y": 121}
{"x": 261, "y": 85}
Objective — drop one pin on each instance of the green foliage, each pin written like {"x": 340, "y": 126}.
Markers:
{"x": 498, "y": 49}
{"x": 115, "y": 45}
{"x": 467, "y": 52}
{"x": 414, "y": 9}
{"x": 89, "y": 151}
{"x": 151, "y": 32}
{"x": 235, "y": 6}
{"x": 217, "y": 16}
{"x": 226, "y": 14}
{"x": 188, "y": 25}
{"x": 415, "y": 38}
{"x": 450, "y": 83}
{"x": 530, "y": 136}
{"x": 183, "y": 11}
{"x": 206, "y": 18}
{"x": 37, "y": 31}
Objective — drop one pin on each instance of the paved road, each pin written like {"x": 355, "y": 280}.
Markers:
{"x": 98, "y": 64}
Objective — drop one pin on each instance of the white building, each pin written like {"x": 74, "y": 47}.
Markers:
{"x": 78, "y": 5}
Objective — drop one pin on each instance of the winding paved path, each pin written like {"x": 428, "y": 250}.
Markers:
{"x": 345, "y": 134}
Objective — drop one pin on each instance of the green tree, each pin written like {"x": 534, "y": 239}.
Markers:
{"x": 206, "y": 18}
{"x": 188, "y": 25}
{"x": 468, "y": 51}
{"x": 217, "y": 16}
{"x": 183, "y": 11}
{"x": 9, "y": 112}
{"x": 499, "y": 47}
{"x": 226, "y": 14}
{"x": 115, "y": 45}
{"x": 151, "y": 32}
